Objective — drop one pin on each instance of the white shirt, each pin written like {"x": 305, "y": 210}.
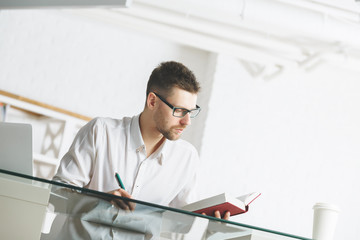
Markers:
{"x": 105, "y": 146}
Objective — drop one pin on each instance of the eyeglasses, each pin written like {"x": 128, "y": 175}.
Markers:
{"x": 180, "y": 112}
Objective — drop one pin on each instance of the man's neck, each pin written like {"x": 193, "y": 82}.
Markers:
{"x": 151, "y": 137}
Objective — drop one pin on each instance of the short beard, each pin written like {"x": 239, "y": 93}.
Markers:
{"x": 168, "y": 134}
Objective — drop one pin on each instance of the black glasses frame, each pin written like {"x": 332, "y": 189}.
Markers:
{"x": 184, "y": 110}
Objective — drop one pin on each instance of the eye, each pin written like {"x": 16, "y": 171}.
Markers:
{"x": 180, "y": 110}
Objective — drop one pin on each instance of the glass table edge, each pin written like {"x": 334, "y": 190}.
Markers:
{"x": 104, "y": 194}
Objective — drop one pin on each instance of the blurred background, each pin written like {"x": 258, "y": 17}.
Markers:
{"x": 280, "y": 91}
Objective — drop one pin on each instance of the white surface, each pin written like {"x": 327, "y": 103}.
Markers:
{"x": 293, "y": 138}
{"x": 22, "y": 207}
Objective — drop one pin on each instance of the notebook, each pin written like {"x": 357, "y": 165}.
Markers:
{"x": 16, "y": 147}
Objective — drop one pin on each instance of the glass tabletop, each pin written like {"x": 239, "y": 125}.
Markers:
{"x": 72, "y": 212}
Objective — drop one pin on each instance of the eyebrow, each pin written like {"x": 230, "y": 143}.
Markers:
{"x": 172, "y": 106}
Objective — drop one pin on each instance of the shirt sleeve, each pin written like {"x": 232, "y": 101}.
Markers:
{"x": 77, "y": 164}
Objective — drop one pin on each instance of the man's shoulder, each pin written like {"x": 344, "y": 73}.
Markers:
{"x": 184, "y": 153}
{"x": 110, "y": 122}
{"x": 183, "y": 145}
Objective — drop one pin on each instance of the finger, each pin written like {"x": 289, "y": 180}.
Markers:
{"x": 121, "y": 204}
{"x": 131, "y": 205}
{"x": 118, "y": 204}
{"x": 116, "y": 193}
{"x": 217, "y": 214}
{"x": 124, "y": 193}
{"x": 227, "y": 215}
{"x": 120, "y": 192}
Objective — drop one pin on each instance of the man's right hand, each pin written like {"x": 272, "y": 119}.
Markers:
{"x": 123, "y": 204}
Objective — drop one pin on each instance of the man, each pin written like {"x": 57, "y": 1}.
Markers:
{"x": 142, "y": 149}
{"x": 145, "y": 150}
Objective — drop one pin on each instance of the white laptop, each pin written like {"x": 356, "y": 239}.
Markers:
{"x": 16, "y": 147}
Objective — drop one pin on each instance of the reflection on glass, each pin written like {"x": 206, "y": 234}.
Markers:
{"x": 87, "y": 216}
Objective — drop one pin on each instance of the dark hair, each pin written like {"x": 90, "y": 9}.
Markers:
{"x": 169, "y": 75}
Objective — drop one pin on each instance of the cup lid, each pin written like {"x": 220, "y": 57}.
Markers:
{"x": 326, "y": 206}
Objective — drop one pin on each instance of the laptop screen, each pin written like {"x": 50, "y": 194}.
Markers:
{"x": 16, "y": 147}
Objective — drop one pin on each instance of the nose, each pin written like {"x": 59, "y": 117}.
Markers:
{"x": 186, "y": 120}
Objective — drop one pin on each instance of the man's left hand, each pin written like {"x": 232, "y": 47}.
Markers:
{"x": 217, "y": 215}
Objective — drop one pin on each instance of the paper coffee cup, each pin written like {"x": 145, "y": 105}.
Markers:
{"x": 325, "y": 220}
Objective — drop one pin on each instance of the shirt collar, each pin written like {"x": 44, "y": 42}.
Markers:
{"x": 137, "y": 142}
{"x": 161, "y": 152}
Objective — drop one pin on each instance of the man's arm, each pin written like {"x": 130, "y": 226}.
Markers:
{"x": 76, "y": 165}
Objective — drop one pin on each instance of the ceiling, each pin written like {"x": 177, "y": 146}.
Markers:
{"x": 274, "y": 33}
{"x": 277, "y": 33}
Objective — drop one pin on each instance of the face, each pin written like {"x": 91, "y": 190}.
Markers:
{"x": 169, "y": 126}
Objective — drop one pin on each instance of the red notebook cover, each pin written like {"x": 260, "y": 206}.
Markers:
{"x": 234, "y": 210}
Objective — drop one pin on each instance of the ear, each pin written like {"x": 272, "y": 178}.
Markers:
{"x": 151, "y": 101}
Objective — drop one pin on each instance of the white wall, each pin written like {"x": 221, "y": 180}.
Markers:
{"x": 96, "y": 68}
{"x": 85, "y": 65}
{"x": 294, "y": 138}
